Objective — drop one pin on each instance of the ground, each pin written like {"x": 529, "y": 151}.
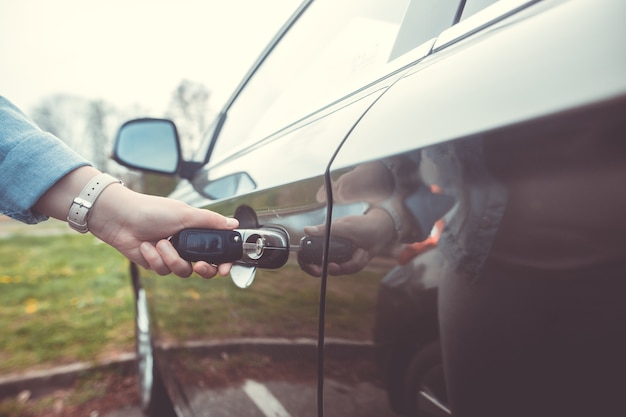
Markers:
{"x": 97, "y": 394}
{"x": 102, "y": 393}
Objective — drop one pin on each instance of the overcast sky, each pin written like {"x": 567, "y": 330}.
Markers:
{"x": 130, "y": 51}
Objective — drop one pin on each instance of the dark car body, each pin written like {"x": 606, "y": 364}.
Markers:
{"x": 406, "y": 128}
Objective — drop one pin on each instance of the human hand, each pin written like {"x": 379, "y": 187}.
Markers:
{"x": 371, "y": 182}
{"x": 371, "y": 233}
{"x": 138, "y": 226}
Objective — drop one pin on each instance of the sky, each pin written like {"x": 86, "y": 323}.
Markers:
{"x": 131, "y": 52}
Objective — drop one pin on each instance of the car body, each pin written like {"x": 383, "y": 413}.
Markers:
{"x": 362, "y": 119}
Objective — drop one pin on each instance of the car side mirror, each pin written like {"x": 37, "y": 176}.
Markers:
{"x": 149, "y": 145}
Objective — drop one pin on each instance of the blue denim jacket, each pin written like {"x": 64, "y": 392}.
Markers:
{"x": 31, "y": 161}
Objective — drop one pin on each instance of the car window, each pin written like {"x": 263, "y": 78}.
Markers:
{"x": 474, "y": 6}
{"x": 332, "y": 44}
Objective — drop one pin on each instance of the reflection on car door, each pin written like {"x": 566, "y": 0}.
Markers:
{"x": 214, "y": 335}
{"x": 453, "y": 173}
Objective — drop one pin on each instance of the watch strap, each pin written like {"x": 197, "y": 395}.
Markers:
{"x": 79, "y": 210}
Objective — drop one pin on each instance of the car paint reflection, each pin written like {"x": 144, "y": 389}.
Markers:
{"x": 217, "y": 378}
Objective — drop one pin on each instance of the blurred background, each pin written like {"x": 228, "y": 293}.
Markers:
{"x": 79, "y": 69}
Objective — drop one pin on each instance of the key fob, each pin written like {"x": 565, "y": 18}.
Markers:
{"x": 311, "y": 249}
{"x": 213, "y": 246}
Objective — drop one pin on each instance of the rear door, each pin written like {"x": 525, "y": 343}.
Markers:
{"x": 492, "y": 133}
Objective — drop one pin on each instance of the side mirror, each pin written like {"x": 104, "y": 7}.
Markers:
{"x": 149, "y": 145}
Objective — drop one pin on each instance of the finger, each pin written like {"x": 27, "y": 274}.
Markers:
{"x": 224, "y": 269}
{"x": 314, "y": 270}
{"x": 205, "y": 269}
{"x": 359, "y": 259}
{"x": 369, "y": 182}
{"x": 172, "y": 259}
{"x": 311, "y": 269}
{"x": 209, "y": 219}
{"x": 321, "y": 195}
{"x": 317, "y": 230}
{"x": 152, "y": 256}
{"x": 137, "y": 258}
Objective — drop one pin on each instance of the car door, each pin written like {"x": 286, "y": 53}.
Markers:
{"x": 218, "y": 346}
{"x": 385, "y": 149}
{"x": 491, "y": 152}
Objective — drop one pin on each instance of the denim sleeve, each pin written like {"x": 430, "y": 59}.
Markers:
{"x": 31, "y": 161}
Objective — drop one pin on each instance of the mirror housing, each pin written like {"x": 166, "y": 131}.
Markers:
{"x": 151, "y": 145}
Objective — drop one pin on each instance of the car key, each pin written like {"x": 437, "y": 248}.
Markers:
{"x": 311, "y": 248}
{"x": 213, "y": 246}
{"x": 224, "y": 246}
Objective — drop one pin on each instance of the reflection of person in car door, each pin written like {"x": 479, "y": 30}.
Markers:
{"x": 42, "y": 177}
{"x": 532, "y": 278}
{"x": 406, "y": 327}
{"x": 393, "y": 189}
{"x": 534, "y": 324}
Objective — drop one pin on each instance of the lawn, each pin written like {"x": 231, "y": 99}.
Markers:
{"x": 63, "y": 298}
{"x": 67, "y": 298}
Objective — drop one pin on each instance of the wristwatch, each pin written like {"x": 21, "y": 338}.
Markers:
{"x": 79, "y": 210}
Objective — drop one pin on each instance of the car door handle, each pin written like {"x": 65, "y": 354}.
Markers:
{"x": 264, "y": 247}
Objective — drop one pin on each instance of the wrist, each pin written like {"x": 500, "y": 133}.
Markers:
{"x": 105, "y": 218}
{"x": 80, "y": 211}
{"x": 56, "y": 201}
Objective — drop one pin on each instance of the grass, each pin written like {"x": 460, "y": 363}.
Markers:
{"x": 63, "y": 299}
{"x": 280, "y": 303}
{"x": 94, "y": 393}
{"x": 68, "y": 298}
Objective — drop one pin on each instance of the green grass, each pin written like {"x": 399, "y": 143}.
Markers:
{"x": 68, "y": 298}
{"x": 63, "y": 299}
{"x": 94, "y": 392}
{"x": 280, "y": 303}
{"x": 275, "y": 305}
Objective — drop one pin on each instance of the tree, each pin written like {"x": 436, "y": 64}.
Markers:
{"x": 63, "y": 116}
{"x": 189, "y": 109}
{"x": 84, "y": 125}
{"x": 96, "y": 130}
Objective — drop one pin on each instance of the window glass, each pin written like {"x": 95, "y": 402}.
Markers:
{"x": 332, "y": 44}
{"x": 423, "y": 20}
{"x": 475, "y": 6}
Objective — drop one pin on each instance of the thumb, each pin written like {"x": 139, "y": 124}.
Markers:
{"x": 208, "y": 219}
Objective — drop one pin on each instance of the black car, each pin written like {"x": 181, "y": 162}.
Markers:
{"x": 375, "y": 150}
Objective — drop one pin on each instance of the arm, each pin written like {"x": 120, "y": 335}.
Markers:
{"x": 126, "y": 220}
{"x": 41, "y": 177}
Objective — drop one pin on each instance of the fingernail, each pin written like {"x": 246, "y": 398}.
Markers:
{"x": 163, "y": 247}
{"x": 230, "y": 222}
{"x": 203, "y": 270}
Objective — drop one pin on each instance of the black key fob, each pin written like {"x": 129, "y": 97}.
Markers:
{"x": 311, "y": 249}
{"x": 213, "y": 246}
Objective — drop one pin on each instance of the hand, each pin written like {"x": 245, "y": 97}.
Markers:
{"x": 371, "y": 182}
{"x": 138, "y": 226}
{"x": 372, "y": 232}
